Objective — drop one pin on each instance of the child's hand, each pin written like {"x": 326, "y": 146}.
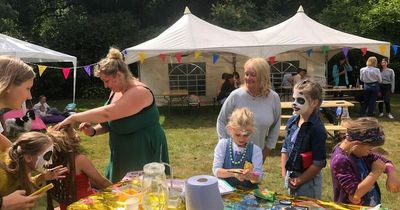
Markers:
{"x": 55, "y": 173}
{"x": 378, "y": 166}
{"x": 295, "y": 183}
{"x": 393, "y": 182}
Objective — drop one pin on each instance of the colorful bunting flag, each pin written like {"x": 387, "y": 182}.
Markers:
{"x": 215, "y": 58}
{"x": 162, "y": 57}
{"x": 309, "y": 52}
{"x": 364, "y": 51}
{"x": 66, "y": 72}
{"x": 382, "y": 49}
{"x": 345, "y": 51}
{"x": 178, "y": 57}
{"x": 325, "y": 49}
{"x": 125, "y": 52}
{"x": 142, "y": 56}
{"x": 197, "y": 54}
{"x": 87, "y": 70}
{"x": 271, "y": 60}
{"x": 41, "y": 69}
{"x": 394, "y": 46}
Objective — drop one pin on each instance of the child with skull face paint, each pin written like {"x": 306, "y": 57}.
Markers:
{"x": 31, "y": 152}
{"x": 304, "y": 142}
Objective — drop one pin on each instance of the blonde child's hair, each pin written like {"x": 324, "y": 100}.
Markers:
{"x": 364, "y": 129}
{"x": 311, "y": 90}
{"x": 65, "y": 140}
{"x": 241, "y": 117}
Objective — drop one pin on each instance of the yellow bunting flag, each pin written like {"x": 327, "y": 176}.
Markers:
{"x": 41, "y": 69}
{"x": 382, "y": 49}
{"x": 197, "y": 54}
{"x": 142, "y": 56}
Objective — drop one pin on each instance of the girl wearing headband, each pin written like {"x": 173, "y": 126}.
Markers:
{"x": 355, "y": 168}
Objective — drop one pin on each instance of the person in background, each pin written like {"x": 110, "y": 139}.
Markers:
{"x": 301, "y": 75}
{"x": 226, "y": 88}
{"x": 236, "y": 79}
{"x": 386, "y": 88}
{"x": 339, "y": 72}
{"x": 303, "y": 152}
{"x": 371, "y": 76}
{"x": 264, "y": 103}
{"x": 355, "y": 168}
{"x": 16, "y": 81}
{"x": 231, "y": 154}
{"x": 130, "y": 117}
{"x": 85, "y": 173}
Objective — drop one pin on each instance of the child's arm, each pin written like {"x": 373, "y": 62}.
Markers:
{"x": 393, "y": 180}
{"x": 254, "y": 175}
{"x": 5, "y": 144}
{"x": 284, "y": 158}
{"x": 86, "y": 166}
{"x": 366, "y": 185}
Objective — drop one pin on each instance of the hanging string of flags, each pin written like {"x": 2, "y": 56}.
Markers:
{"x": 197, "y": 54}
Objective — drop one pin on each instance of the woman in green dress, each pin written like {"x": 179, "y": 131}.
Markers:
{"x": 130, "y": 116}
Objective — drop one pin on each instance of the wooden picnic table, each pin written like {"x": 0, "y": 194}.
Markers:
{"x": 179, "y": 96}
{"x": 325, "y": 104}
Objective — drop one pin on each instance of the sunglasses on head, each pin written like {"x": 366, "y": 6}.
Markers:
{"x": 243, "y": 134}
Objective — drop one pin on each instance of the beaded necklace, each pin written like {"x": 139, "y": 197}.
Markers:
{"x": 231, "y": 154}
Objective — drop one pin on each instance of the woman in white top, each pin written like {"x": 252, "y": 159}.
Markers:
{"x": 257, "y": 95}
{"x": 371, "y": 76}
{"x": 386, "y": 87}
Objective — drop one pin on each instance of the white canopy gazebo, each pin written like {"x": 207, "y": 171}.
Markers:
{"x": 34, "y": 53}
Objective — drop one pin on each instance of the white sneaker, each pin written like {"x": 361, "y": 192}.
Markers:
{"x": 381, "y": 114}
{"x": 390, "y": 116}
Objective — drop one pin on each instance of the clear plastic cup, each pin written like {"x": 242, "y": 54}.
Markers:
{"x": 132, "y": 203}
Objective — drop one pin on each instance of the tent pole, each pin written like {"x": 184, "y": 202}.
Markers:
{"x": 74, "y": 84}
{"x": 234, "y": 62}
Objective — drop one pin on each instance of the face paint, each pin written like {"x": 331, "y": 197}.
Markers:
{"x": 300, "y": 103}
{"x": 44, "y": 159}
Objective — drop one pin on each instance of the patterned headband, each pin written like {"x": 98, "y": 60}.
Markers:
{"x": 370, "y": 135}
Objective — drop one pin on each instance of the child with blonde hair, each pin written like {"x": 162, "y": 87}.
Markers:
{"x": 86, "y": 174}
{"x": 236, "y": 159}
{"x": 303, "y": 153}
{"x": 355, "y": 168}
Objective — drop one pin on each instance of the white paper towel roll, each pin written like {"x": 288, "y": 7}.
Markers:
{"x": 201, "y": 193}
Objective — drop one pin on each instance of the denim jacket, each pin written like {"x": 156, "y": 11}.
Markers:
{"x": 312, "y": 135}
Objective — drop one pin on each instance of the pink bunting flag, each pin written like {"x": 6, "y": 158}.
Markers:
{"x": 88, "y": 70}
{"x": 162, "y": 57}
{"x": 345, "y": 51}
{"x": 178, "y": 57}
{"x": 66, "y": 72}
{"x": 271, "y": 60}
{"x": 364, "y": 51}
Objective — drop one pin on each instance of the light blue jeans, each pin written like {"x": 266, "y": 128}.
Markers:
{"x": 311, "y": 189}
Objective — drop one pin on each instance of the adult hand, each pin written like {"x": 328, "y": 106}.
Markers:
{"x": 17, "y": 201}
{"x": 55, "y": 173}
{"x": 86, "y": 128}
{"x": 65, "y": 122}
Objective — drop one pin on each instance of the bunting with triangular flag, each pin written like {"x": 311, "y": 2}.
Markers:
{"x": 325, "y": 49}
{"x": 162, "y": 57}
{"x": 197, "y": 54}
{"x": 215, "y": 57}
{"x": 394, "y": 46}
{"x": 309, "y": 52}
{"x": 178, "y": 57}
{"x": 382, "y": 49}
{"x": 272, "y": 60}
{"x": 66, "y": 72}
{"x": 142, "y": 56}
{"x": 87, "y": 70}
{"x": 364, "y": 51}
{"x": 345, "y": 51}
{"x": 41, "y": 69}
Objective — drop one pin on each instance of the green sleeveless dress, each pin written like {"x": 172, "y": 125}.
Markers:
{"x": 135, "y": 141}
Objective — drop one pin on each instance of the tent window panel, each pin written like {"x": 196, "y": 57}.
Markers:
{"x": 278, "y": 70}
{"x": 189, "y": 76}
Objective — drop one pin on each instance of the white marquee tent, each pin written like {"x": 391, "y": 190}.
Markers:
{"x": 33, "y": 53}
{"x": 288, "y": 41}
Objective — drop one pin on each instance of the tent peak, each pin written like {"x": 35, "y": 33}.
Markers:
{"x": 187, "y": 11}
{"x": 300, "y": 10}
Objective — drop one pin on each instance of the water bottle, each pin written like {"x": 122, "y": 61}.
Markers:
{"x": 339, "y": 112}
{"x": 345, "y": 113}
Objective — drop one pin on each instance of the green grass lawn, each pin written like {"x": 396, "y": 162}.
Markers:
{"x": 192, "y": 137}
